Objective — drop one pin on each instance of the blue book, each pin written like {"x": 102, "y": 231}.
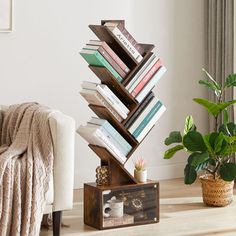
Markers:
{"x": 147, "y": 119}
{"x": 112, "y": 131}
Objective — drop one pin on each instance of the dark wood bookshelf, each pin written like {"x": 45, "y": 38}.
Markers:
{"x": 119, "y": 176}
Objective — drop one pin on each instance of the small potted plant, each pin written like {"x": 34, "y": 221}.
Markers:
{"x": 140, "y": 171}
{"x": 210, "y": 154}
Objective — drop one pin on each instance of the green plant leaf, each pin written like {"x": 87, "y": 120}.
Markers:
{"x": 218, "y": 142}
{"x": 190, "y": 174}
{"x": 193, "y": 141}
{"x": 188, "y": 124}
{"x": 230, "y": 81}
{"x": 230, "y": 139}
{"x": 213, "y": 108}
{"x": 228, "y": 171}
{"x": 210, "y": 85}
{"x": 174, "y": 137}
{"x": 196, "y": 158}
{"x": 226, "y": 117}
{"x": 207, "y": 143}
{"x": 218, "y": 86}
{"x": 170, "y": 152}
{"x": 229, "y": 129}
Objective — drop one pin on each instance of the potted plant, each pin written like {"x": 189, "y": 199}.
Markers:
{"x": 210, "y": 155}
{"x": 140, "y": 171}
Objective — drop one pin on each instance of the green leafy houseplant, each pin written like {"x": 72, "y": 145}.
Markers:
{"x": 210, "y": 152}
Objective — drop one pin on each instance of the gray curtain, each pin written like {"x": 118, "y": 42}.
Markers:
{"x": 220, "y": 44}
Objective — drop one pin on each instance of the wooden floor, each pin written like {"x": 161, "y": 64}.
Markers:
{"x": 182, "y": 213}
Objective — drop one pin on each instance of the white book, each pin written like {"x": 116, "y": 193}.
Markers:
{"x": 108, "y": 95}
{"x": 151, "y": 123}
{"x": 94, "y": 97}
{"x": 151, "y": 84}
{"x": 111, "y": 138}
{"x": 95, "y": 136}
{"x": 142, "y": 116}
{"x": 140, "y": 71}
{"x": 145, "y": 71}
{"x": 124, "y": 42}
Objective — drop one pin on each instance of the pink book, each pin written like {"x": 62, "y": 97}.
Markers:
{"x": 112, "y": 54}
{"x": 146, "y": 78}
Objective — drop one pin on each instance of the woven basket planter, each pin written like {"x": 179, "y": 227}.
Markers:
{"x": 216, "y": 192}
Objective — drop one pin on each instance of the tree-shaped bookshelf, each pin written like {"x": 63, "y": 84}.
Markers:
{"x": 119, "y": 177}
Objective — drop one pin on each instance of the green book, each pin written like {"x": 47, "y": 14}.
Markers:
{"x": 147, "y": 119}
{"x": 94, "y": 58}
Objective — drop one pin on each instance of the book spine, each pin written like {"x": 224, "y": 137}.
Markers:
{"x": 130, "y": 38}
{"x": 110, "y": 147}
{"x": 113, "y": 132}
{"x": 112, "y": 136}
{"x": 147, "y": 119}
{"x": 115, "y": 99}
{"x": 144, "y": 72}
{"x": 115, "y": 57}
{"x": 127, "y": 46}
{"x": 108, "y": 66}
{"x": 151, "y": 124}
{"x": 146, "y": 78}
{"x": 111, "y": 61}
{"x": 143, "y": 114}
{"x": 112, "y": 102}
{"x": 139, "y": 110}
{"x": 139, "y": 72}
{"x": 150, "y": 84}
{"x": 98, "y": 99}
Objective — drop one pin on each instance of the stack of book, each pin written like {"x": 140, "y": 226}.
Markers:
{"x": 146, "y": 78}
{"x": 98, "y": 53}
{"x": 101, "y": 133}
{"x": 101, "y": 95}
{"x": 145, "y": 117}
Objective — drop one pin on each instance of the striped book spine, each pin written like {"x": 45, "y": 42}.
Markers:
{"x": 113, "y": 132}
{"x": 139, "y": 110}
{"x": 146, "y": 78}
{"x": 113, "y": 55}
{"x": 94, "y": 97}
{"x": 146, "y": 120}
{"x": 150, "y": 85}
{"x": 151, "y": 124}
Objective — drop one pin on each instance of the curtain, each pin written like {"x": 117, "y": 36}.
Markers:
{"x": 220, "y": 45}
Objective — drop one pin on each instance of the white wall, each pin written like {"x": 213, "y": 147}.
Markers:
{"x": 39, "y": 61}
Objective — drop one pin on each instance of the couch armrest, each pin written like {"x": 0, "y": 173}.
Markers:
{"x": 63, "y": 134}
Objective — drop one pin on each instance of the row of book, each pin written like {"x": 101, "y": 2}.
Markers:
{"x": 101, "y": 95}
{"x": 98, "y": 53}
{"x": 145, "y": 117}
{"x": 101, "y": 133}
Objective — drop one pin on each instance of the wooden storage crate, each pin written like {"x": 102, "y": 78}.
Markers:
{"x": 141, "y": 204}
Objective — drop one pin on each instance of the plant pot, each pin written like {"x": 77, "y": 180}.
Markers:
{"x": 140, "y": 176}
{"x": 216, "y": 192}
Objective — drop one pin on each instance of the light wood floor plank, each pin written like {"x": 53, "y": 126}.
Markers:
{"x": 182, "y": 213}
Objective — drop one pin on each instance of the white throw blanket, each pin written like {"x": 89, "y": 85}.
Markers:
{"x": 26, "y": 161}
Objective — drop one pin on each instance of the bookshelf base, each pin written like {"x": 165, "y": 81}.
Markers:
{"x": 115, "y": 206}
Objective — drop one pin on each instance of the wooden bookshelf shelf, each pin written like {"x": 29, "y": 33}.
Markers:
{"x": 119, "y": 177}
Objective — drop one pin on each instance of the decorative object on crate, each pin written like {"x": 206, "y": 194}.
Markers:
{"x": 115, "y": 208}
{"x": 211, "y": 153}
{"x": 102, "y": 175}
{"x": 140, "y": 171}
{"x": 127, "y": 110}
